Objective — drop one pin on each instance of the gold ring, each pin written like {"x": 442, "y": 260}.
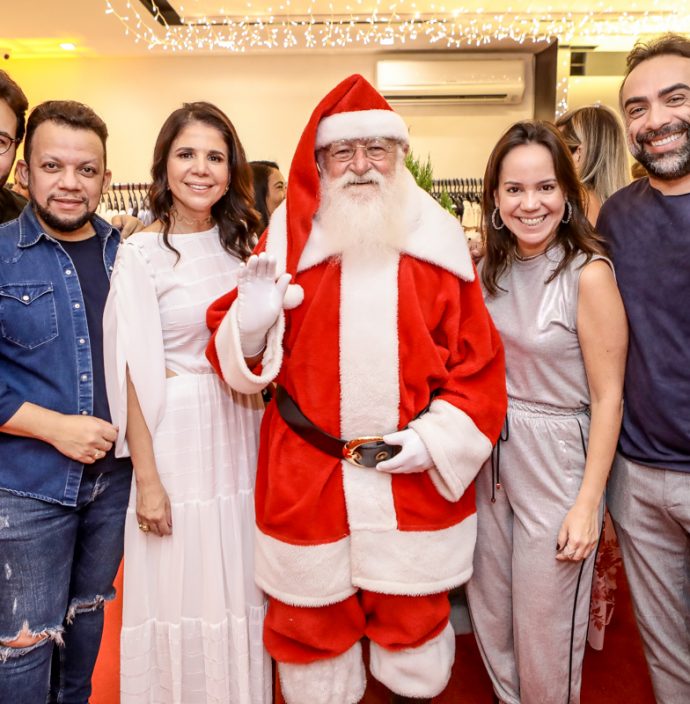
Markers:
{"x": 144, "y": 527}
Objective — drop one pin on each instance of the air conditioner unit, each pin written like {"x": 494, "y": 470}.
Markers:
{"x": 458, "y": 81}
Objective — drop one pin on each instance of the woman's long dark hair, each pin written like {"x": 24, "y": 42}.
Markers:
{"x": 261, "y": 171}
{"x": 234, "y": 211}
{"x": 574, "y": 237}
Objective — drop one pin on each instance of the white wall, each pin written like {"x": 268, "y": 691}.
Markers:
{"x": 588, "y": 90}
{"x": 268, "y": 97}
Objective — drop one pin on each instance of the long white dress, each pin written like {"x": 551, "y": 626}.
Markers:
{"x": 192, "y": 615}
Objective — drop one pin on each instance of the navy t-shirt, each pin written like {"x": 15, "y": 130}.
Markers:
{"x": 649, "y": 239}
{"x": 87, "y": 257}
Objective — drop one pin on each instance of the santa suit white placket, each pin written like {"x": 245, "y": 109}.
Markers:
{"x": 369, "y": 381}
{"x": 369, "y": 351}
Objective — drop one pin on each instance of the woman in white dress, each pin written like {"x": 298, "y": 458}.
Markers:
{"x": 192, "y": 615}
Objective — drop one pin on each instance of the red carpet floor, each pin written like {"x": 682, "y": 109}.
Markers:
{"x": 615, "y": 675}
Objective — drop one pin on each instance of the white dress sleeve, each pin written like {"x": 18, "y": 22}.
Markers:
{"x": 133, "y": 339}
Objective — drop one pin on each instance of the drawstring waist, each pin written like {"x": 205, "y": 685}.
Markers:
{"x": 533, "y": 409}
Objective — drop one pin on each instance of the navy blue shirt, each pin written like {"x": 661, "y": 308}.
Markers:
{"x": 87, "y": 257}
{"x": 45, "y": 350}
{"x": 649, "y": 239}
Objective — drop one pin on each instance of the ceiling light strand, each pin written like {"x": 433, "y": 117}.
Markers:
{"x": 401, "y": 25}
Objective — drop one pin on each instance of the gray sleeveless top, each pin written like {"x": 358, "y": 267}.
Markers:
{"x": 538, "y": 325}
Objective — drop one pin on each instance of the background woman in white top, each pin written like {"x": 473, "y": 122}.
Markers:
{"x": 192, "y": 616}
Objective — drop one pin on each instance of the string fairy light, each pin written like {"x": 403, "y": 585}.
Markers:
{"x": 397, "y": 26}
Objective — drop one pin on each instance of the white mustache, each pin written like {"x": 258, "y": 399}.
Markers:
{"x": 371, "y": 176}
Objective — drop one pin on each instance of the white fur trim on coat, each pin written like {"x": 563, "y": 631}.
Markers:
{"x": 368, "y": 498}
{"x": 457, "y": 447}
{"x": 416, "y": 672}
{"x": 389, "y": 562}
{"x": 369, "y": 311}
{"x": 233, "y": 368}
{"x": 303, "y": 575}
{"x": 338, "y": 680}
{"x": 361, "y": 124}
{"x": 413, "y": 562}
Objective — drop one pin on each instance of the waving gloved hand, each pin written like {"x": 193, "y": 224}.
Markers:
{"x": 414, "y": 457}
{"x": 259, "y": 301}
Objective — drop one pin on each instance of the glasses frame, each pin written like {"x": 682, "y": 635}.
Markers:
{"x": 13, "y": 140}
{"x": 388, "y": 145}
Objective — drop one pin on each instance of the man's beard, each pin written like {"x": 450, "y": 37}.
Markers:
{"x": 365, "y": 219}
{"x": 61, "y": 224}
{"x": 670, "y": 165}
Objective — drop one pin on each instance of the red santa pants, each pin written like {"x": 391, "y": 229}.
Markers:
{"x": 299, "y": 634}
{"x": 319, "y": 653}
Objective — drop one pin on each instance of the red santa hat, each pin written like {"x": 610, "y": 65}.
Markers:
{"x": 354, "y": 109}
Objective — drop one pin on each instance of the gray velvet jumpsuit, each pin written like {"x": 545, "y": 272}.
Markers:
{"x": 529, "y": 610}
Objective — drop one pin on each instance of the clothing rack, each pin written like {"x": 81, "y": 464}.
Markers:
{"x": 126, "y": 199}
{"x": 466, "y": 196}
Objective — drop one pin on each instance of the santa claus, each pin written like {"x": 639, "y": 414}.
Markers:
{"x": 391, "y": 393}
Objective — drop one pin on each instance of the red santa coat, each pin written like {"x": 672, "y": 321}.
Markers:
{"x": 362, "y": 354}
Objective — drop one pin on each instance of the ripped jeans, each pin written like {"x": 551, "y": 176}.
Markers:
{"x": 57, "y": 566}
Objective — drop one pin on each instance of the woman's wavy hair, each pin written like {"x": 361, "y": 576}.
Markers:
{"x": 234, "y": 211}
{"x": 261, "y": 171}
{"x": 603, "y": 165}
{"x": 575, "y": 236}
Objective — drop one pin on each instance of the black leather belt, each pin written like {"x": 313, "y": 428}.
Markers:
{"x": 366, "y": 451}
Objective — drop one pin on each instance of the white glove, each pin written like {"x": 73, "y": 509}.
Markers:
{"x": 259, "y": 301}
{"x": 414, "y": 457}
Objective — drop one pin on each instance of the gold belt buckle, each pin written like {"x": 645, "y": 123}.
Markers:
{"x": 350, "y": 449}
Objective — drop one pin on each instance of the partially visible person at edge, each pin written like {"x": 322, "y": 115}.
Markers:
{"x": 192, "y": 614}
{"x": 597, "y": 142}
{"x": 63, "y": 495}
{"x": 385, "y": 335}
{"x": 552, "y": 295}
{"x": 647, "y": 226}
{"x": 269, "y": 189}
{"x": 13, "y": 107}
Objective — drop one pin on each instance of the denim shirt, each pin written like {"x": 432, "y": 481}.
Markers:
{"x": 45, "y": 351}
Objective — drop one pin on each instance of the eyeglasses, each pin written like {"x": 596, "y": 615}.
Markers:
{"x": 6, "y": 142}
{"x": 375, "y": 150}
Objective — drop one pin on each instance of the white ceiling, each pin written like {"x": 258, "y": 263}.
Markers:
{"x": 38, "y": 29}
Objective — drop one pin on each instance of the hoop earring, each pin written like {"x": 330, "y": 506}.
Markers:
{"x": 569, "y": 208}
{"x": 495, "y": 212}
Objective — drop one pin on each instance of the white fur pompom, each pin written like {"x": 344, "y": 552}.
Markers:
{"x": 293, "y": 296}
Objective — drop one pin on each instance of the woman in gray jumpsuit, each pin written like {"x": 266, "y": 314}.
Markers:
{"x": 553, "y": 297}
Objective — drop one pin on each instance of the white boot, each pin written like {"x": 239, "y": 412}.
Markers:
{"x": 421, "y": 672}
{"x": 338, "y": 680}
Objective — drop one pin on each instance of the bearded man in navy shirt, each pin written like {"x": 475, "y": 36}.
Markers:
{"x": 647, "y": 225}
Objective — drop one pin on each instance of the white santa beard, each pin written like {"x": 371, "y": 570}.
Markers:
{"x": 365, "y": 219}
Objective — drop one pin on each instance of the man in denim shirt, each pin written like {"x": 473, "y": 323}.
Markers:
{"x": 63, "y": 495}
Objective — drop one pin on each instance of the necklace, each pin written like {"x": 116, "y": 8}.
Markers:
{"x": 528, "y": 259}
{"x": 192, "y": 222}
